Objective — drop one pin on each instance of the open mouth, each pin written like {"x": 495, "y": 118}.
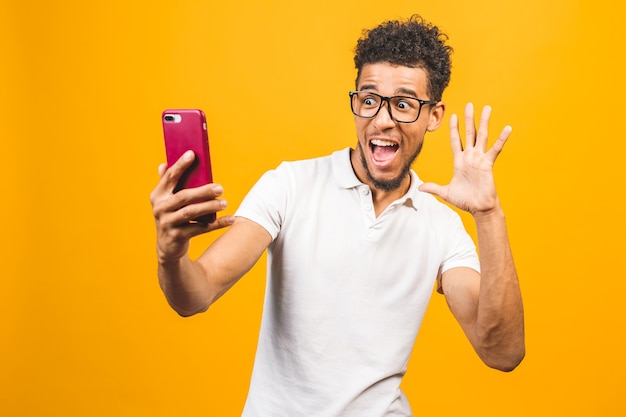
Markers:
{"x": 383, "y": 151}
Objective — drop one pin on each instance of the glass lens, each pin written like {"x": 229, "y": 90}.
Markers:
{"x": 365, "y": 104}
{"x": 403, "y": 109}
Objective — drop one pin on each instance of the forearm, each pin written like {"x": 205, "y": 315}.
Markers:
{"x": 500, "y": 315}
{"x": 185, "y": 286}
{"x": 192, "y": 286}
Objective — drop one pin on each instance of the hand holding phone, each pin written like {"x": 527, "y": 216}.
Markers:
{"x": 183, "y": 130}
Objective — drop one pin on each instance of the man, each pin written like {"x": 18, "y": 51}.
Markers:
{"x": 355, "y": 244}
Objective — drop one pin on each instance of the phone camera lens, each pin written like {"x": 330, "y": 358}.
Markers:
{"x": 169, "y": 118}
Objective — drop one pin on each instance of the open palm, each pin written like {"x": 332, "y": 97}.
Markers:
{"x": 472, "y": 187}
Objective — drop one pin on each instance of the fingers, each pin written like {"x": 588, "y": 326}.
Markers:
{"x": 172, "y": 175}
{"x": 470, "y": 128}
{"x": 175, "y": 214}
{"x": 169, "y": 177}
{"x": 191, "y": 229}
{"x": 455, "y": 137}
{"x": 483, "y": 128}
{"x": 477, "y": 139}
{"x": 483, "y": 134}
{"x": 162, "y": 168}
{"x": 499, "y": 145}
{"x": 222, "y": 222}
{"x": 189, "y": 204}
{"x": 433, "y": 188}
{"x": 199, "y": 195}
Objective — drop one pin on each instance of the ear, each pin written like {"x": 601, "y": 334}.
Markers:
{"x": 435, "y": 116}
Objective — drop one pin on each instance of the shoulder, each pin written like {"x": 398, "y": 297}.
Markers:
{"x": 318, "y": 170}
{"x": 320, "y": 162}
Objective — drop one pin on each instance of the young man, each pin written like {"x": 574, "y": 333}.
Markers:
{"x": 355, "y": 244}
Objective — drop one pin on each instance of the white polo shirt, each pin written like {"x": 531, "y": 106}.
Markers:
{"x": 346, "y": 291}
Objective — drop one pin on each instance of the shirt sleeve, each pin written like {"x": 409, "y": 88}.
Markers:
{"x": 460, "y": 249}
{"x": 266, "y": 202}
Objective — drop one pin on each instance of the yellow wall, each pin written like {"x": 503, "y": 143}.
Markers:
{"x": 84, "y": 328}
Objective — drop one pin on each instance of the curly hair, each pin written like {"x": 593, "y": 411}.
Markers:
{"x": 413, "y": 43}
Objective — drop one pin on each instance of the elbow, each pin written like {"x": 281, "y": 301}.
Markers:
{"x": 506, "y": 364}
{"x": 504, "y": 361}
{"x": 187, "y": 312}
{"x": 501, "y": 348}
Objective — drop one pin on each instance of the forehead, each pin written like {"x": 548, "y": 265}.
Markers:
{"x": 387, "y": 79}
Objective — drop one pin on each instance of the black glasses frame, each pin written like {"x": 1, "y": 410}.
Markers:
{"x": 387, "y": 99}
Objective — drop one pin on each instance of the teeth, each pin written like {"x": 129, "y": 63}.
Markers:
{"x": 379, "y": 142}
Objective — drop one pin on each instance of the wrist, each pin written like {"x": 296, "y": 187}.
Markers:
{"x": 489, "y": 215}
{"x": 168, "y": 259}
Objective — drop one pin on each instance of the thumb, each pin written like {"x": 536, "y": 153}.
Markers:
{"x": 432, "y": 188}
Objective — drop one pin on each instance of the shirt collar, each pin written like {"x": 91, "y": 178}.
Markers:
{"x": 346, "y": 178}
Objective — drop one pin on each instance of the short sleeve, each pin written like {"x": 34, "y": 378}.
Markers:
{"x": 266, "y": 202}
{"x": 460, "y": 250}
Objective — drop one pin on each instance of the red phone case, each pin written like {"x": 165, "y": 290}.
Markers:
{"x": 183, "y": 130}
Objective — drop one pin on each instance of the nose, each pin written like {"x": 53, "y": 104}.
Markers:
{"x": 383, "y": 119}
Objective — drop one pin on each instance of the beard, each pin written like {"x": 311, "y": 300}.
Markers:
{"x": 394, "y": 183}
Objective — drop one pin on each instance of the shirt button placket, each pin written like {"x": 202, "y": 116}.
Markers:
{"x": 366, "y": 201}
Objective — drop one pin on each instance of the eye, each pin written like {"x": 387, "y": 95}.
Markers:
{"x": 404, "y": 105}
{"x": 370, "y": 101}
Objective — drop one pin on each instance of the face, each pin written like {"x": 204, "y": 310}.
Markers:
{"x": 386, "y": 149}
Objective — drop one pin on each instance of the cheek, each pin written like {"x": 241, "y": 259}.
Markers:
{"x": 414, "y": 134}
{"x": 361, "y": 128}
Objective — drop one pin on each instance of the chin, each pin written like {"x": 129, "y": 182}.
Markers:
{"x": 384, "y": 184}
{"x": 389, "y": 184}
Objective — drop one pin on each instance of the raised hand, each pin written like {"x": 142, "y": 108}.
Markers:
{"x": 472, "y": 187}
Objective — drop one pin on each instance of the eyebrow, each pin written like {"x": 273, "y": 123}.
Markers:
{"x": 400, "y": 91}
{"x": 368, "y": 87}
{"x": 406, "y": 91}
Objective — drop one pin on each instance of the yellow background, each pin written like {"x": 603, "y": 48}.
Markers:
{"x": 84, "y": 328}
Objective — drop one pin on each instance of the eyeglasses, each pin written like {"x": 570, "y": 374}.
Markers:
{"x": 405, "y": 109}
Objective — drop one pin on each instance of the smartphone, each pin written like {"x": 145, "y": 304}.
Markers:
{"x": 183, "y": 130}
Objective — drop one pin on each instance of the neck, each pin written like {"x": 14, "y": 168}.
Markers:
{"x": 383, "y": 198}
{"x": 383, "y": 193}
